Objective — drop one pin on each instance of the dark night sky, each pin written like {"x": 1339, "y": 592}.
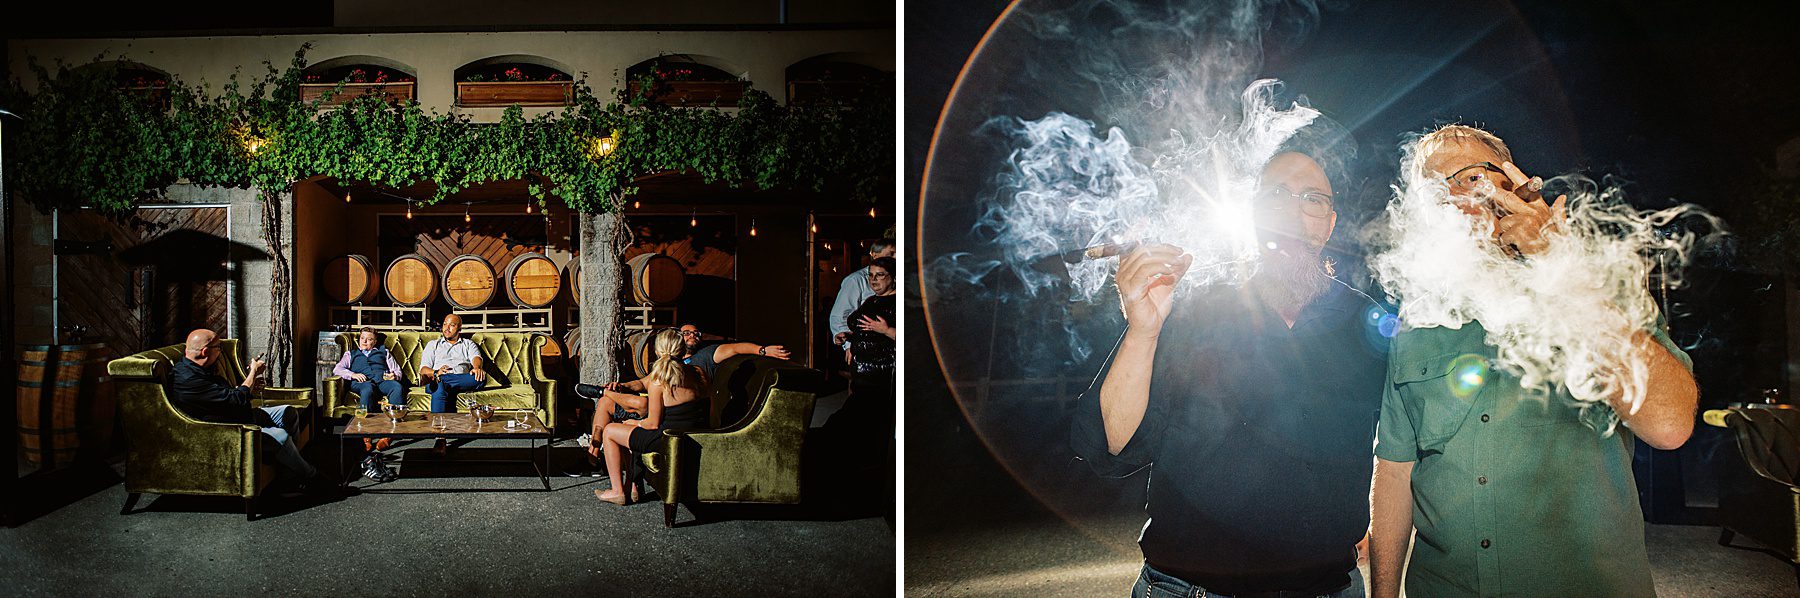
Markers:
{"x": 1684, "y": 100}
{"x": 1681, "y": 97}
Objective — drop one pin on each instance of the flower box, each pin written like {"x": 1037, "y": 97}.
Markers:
{"x": 523, "y": 93}
{"x": 813, "y": 93}
{"x": 697, "y": 93}
{"x": 153, "y": 96}
{"x": 399, "y": 91}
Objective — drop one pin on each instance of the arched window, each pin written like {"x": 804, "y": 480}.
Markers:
{"x": 685, "y": 80}
{"x": 833, "y": 79}
{"x": 517, "y": 79}
{"x": 359, "y": 76}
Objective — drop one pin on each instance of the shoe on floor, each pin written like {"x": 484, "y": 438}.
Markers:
{"x": 380, "y": 472}
{"x": 589, "y": 391}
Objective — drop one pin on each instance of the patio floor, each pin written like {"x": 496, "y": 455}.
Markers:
{"x": 839, "y": 543}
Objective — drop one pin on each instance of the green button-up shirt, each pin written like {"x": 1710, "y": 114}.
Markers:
{"x": 1515, "y": 493}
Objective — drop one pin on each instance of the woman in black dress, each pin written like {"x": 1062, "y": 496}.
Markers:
{"x": 872, "y": 346}
{"x": 677, "y": 399}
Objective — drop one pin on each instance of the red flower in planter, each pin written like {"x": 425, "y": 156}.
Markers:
{"x": 554, "y": 77}
{"x": 381, "y": 77}
{"x": 514, "y": 74}
{"x": 357, "y": 76}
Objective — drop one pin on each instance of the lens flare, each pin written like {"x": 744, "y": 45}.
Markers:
{"x": 1468, "y": 374}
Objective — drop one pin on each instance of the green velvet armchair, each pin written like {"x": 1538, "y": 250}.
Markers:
{"x": 767, "y": 406}
{"x": 514, "y": 363}
{"x": 1761, "y": 499}
{"x": 168, "y": 452}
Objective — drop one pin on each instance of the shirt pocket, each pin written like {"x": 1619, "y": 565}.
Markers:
{"x": 1434, "y": 402}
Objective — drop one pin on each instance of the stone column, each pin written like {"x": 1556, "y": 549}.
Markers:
{"x": 602, "y": 275}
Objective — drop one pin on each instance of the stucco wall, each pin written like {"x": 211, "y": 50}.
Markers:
{"x": 762, "y": 56}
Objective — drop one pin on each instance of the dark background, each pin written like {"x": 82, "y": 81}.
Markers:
{"x": 1676, "y": 100}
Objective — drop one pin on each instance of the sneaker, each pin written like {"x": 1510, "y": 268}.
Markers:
{"x": 370, "y": 459}
{"x": 380, "y": 472}
{"x": 585, "y": 440}
{"x": 589, "y": 391}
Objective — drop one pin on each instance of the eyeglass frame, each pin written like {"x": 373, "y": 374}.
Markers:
{"x": 1330, "y": 202}
{"x": 1454, "y": 182}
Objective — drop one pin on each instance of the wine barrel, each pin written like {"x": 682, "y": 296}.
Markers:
{"x": 572, "y": 349}
{"x": 532, "y": 280}
{"x": 643, "y": 351}
{"x": 349, "y": 279}
{"x": 574, "y": 268}
{"x": 468, "y": 282}
{"x": 66, "y": 403}
{"x": 656, "y": 279}
{"x": 411, "y": 280}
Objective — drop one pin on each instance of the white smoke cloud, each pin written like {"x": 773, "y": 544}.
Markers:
{"x": 1561, "y": 319}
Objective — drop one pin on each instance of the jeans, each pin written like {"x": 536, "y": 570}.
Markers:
{"x": 445, "y": 388}
{"x": 286, "y": 454}
{"x": 1156, "y": 584}
{"x": 396, "y": 394}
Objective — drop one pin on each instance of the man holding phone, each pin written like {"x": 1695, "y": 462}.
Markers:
{"x": 201, "y": 393}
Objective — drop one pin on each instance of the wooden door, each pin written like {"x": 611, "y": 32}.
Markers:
{"x": 143, "y": 280}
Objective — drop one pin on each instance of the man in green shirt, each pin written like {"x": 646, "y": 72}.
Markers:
{"x": 1512, "y": 490}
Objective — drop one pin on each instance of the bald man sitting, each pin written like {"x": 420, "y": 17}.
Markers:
{"x": 203, "y": 394}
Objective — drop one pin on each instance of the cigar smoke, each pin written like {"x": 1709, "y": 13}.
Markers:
{"x": 1560, "y": 319}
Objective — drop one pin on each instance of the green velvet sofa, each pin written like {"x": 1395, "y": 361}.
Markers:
{"x": 514, "y": 364}
{"x": 168, "y": 452}
{"x": 761, "y": 409}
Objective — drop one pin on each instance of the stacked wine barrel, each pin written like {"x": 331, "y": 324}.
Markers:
{"x": 411, "y": 280}
{"x": 350, "y": 279}
{"x": 468, "y": 282}
{"x": 66, "y": 403}
{"x": 656, "y": 279}
{"x": 532, "y": 281}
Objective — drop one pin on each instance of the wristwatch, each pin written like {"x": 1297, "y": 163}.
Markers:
{"x": 760, "y": 350}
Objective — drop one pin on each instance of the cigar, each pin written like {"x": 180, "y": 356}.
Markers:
{"x": 1099, "y": 252}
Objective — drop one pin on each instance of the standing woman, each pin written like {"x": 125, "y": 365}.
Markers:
{"x": 676, "y": 400}
{"x": 872, "y": 347}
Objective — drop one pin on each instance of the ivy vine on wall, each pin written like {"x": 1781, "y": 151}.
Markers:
{"x": 87, "y": 141}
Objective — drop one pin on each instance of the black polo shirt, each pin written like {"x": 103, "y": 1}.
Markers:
{"x": 1260, "y": 440}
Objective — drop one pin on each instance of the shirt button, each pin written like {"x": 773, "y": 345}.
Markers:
{"x": 1484, "y": 543}
{"x": 1481, "y": 480}
{"x": 1484, "y": 418}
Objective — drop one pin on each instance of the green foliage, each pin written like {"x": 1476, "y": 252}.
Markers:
{"x": 85, "y": 141}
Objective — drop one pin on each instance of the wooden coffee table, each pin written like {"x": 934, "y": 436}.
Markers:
{"x": 415, "y": 426}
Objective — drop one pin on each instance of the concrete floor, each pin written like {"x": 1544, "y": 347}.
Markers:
{"x": 841, "y": 543}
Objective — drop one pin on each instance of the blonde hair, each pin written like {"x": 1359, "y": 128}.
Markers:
{"x": 1431, "y": 142}
{"x": 667, "y": 368}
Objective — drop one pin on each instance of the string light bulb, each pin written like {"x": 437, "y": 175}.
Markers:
{"x": 636, "y": 204}
{"x": 528, "y": 207}
{"x": 346, "y": 197}
{"x": 693, "y": 219}
{"x": 466, "y": 218}
{"x": 409, "y": 210}
{"x": 871, "y": 212}
{"x": 815, "y": 228}
{"x": 752, "y": 227}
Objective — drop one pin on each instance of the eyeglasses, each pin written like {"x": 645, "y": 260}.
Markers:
{"x": 1312, "y": 203}
{"x": 879, "y": 274}
{"x": 1469, "y": 178}
{"x": 690, "y": 333}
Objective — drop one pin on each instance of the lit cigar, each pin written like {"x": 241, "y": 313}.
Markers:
{"x": 1099, "y": 252}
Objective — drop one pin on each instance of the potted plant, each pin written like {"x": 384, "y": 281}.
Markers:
{"x": 508, "y": 84}
{"x": 687, "y": 84}
{"x": 356, "y": 81}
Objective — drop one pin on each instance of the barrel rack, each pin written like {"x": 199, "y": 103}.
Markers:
{"x": 506, "y": 320}
{"x": 648, "y": 317}
{"x": 380, "y": 318}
